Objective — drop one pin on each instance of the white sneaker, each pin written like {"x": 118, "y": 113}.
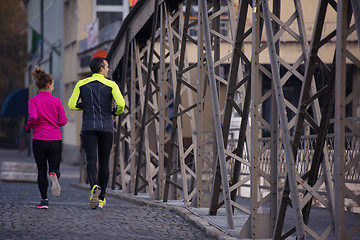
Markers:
{"x": 55, "y": 186}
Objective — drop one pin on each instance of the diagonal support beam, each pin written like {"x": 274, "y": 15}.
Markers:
{"x": 300, "y": 232}
{"x": 216, "y": 113}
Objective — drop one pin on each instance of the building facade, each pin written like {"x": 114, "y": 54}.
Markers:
{"x": 63, "y": 39}
{"x": 89, "y": 28}
{"x": 73, "y": 31}
{"x": 45, "y": 41}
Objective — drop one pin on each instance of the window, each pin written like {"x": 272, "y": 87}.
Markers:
{"x": 109, "y": 2}
{"x": 106, "y": 18}
{"x": 70, "y": 13}
{"x": 224, "y": 27}
{"x": 109, "y": 11}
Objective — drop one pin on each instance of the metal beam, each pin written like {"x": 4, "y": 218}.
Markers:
{"x": 343, "y": 124}
{"x": 122, "y": 80}
{"x": 216, "y": 111}
{"x": 182, "y": 114}
{"x": 147, "y": 92}
{"x": 300, "y": 232}
{"x": 232, "y": 90}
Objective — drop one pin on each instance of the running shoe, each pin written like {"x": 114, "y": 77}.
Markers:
{"x": 102, "y": 203}
{"x": 55, "y": 186}
{"x": 44, "y": 204}
{"x": 94, "y": 196}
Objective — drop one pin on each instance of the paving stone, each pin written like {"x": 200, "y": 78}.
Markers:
{"x": 70, "y": 217}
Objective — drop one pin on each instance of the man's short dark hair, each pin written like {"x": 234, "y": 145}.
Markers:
{"x": 96, "y": 64}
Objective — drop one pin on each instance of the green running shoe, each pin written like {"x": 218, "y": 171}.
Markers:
{"x": 94, "y": 196}
{"x": 102, "y": 203}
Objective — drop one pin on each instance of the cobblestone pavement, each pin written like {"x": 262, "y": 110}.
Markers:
{"x": 125, "y": 216}
{"x": 70, "y": 217}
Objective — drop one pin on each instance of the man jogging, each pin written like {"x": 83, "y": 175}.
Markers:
{"x": 94, "y": 96}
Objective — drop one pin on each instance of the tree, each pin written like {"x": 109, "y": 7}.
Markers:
{"x": 13, "y": 60}
{"x": 13, "y": 46}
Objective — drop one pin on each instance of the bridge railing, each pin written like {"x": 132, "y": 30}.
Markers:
{"x": 305, "y": 155}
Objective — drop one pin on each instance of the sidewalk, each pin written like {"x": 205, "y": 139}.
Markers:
{"x": 70, "y": 217}
{"x": 212, "y": 226}
{"x": 215, "y": 226}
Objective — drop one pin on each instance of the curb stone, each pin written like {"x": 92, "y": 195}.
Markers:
{"x": 18, "y": 172}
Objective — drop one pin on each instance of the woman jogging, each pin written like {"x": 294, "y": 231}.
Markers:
{"x": 46, "y": 116}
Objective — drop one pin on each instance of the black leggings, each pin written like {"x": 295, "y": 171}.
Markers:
{"x": 97, "y": 145}
{"x": 46, "y": 152}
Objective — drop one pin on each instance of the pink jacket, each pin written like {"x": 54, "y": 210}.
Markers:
{"x": 46, "y": 116}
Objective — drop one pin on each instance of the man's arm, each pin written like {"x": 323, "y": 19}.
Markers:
{"x": 119, "y": 99}
{"x": 73, "y": 100}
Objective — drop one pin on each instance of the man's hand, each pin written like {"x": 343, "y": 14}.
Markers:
{"x": 79, "y": 105}
{"x": 113, "y": 112}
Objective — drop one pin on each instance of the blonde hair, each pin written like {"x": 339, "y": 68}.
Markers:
{"x": 41, "y": 77}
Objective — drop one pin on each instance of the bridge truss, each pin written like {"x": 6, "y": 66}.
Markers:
{"x": 173, "y": 139}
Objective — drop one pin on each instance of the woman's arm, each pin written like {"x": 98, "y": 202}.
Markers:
{"x": 33, "y": 115}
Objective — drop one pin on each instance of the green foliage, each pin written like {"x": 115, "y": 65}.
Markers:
{"x": 13, "y": 45}
{"x": 13, "y": 60}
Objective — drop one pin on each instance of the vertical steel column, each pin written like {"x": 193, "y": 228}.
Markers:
{"x": 172, "y": 34}
{"x": 230, "y": 105}
{"x": 339, "y": 148}
{"x": 308, "y": 87}
{"x": 141, "y": 61}
{"x": 274, "y": 130}
{"x": 182, "y": 114}
{"x": 341, "y": 122}
{"x": 216, "y": 111}
{"x": 147, "y": 92}
{"x": 162, "y": 105}
{"x": 148, "y": 170}
{"x": 201, "y": 114}
{"x": 283, "y": 124}
{"x": 216, "y": 48}
{"x": 174, "y": 21}
{"x": 135, "y": 113}
{"x": 315, "y": 181}
{"x": 255, "y": 95}
{"x": 120, "y": 128}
